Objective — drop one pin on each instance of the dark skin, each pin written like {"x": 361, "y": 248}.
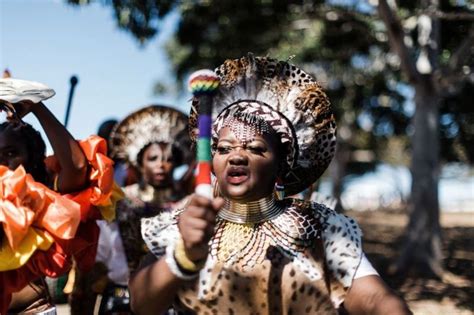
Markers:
{"x": 156, "y": 168}
{"x": 157, "y": 165}
{"x": 71, "y": 178}
{"x": 73, "y": 174}
{"x": 245, "y": 171}
{"x": 13, "y": 153}
{"x": 240, "y": 170}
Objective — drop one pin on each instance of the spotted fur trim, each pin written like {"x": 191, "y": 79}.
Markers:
{"x": 295, "y": 233}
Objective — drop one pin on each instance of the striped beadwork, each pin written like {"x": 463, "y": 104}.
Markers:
{"x": 203, "y": 84}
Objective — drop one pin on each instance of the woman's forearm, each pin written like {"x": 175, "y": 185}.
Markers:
{"x": 73, "y": 174}
{"x": 390, "y": 303}
{"x": 153, "y": 288}
{"x": 370, "y": 295}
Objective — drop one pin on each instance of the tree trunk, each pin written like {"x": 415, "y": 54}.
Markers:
{"x": 338, "y": 169}
{"x": 422, "y": 247}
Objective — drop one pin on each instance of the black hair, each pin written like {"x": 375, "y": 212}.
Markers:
{"x": 35, "y": 148}
{"x": 106, "y": 127}
{"x": 105, "y": 131}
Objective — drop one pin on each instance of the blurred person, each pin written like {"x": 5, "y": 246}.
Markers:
{"x": 124, "y": 174}
{"x": 247, "y": 251}
{"x": 154, "y": 141}
{"x": 82, "y": 288}
{"x": 48, "y": 206}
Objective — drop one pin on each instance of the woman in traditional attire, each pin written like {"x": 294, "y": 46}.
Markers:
{"x": 47, "y": 213}
{"x": 154, "y": 140}
{"x": 247, "y": 251}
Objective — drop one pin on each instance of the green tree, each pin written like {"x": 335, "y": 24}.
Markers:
{"x": 361, "y": 51}
{"x": 432, "y": 78}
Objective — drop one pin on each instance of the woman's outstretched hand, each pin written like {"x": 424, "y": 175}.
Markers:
{"x": 196, "y": 225}
{"x": 24, "y": 107}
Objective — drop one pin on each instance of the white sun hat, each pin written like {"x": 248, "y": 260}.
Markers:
{"x": 15, "y": 90}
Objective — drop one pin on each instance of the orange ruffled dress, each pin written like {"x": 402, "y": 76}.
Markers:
{"x": 42, "y": 229}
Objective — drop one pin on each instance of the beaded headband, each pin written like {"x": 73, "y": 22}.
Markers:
{"x": 248, "y": 118}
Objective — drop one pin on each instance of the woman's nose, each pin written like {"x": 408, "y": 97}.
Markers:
{"x": 238, "y": 157}
{"x": 160, "y": 164}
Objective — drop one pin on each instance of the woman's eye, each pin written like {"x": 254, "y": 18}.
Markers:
{"x": 256, "y": 149}
{"x": 152, "y": 158}
{"x": 223, "y": 149}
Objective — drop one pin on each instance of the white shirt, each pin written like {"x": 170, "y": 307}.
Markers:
{"x": 365, "y": 268}
{"x": 110, "y": 251}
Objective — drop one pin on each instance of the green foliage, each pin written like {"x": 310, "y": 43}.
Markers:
{"x": 139, "y": 17}
{"x": 343, "y": 43}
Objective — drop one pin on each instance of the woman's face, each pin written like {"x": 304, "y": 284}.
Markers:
{"x": 157, "y": 165}
{"x": 245, "y": 172}
{"x": 13, "y": 152}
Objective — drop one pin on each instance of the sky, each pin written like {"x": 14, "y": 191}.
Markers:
{"x": 48, "y": 41}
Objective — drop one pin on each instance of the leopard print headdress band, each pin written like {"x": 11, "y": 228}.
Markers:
{"x": 247, "y": 118}
{"x": 291, "y": 93}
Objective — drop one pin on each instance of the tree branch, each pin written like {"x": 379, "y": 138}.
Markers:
{"x": 463, "y": 50}
{"x": 448, "y": 78}
{"x": 396, "y": 35}
{"x": 450, "y": 16}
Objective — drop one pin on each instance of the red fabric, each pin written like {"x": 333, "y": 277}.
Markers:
{"x": 100, "y": 178}
{"x": 54, "y": 262}
{"x": 83, "y": 247}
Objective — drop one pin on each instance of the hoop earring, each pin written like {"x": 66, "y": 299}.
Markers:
{"x": 216, "y": 191}
{"x": 279, "y": 189}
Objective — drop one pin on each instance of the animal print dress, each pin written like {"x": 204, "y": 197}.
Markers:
{"x": 140, "y": 203}
{"x": 300, "y": 262}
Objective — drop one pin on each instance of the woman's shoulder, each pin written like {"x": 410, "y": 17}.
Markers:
{"x": 340, "y": 235}
{"x": 307, "y": 219}
{"x": 325, "y": 214}
{"x": 306, "y": 211}
{"x": 132, "y": 191}
{"x": 300, "y": 220}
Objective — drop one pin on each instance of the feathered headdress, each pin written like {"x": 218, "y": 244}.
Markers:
{"x": 291, "y": 101}
{"x": 151, "y": 124}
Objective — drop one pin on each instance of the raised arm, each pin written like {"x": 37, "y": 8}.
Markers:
{"x": 370, "y": 295}
{"x": 154, "y": 287}
{"x": 73, "y": 174}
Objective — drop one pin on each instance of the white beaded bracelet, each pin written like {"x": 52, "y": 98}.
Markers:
{"x": 173, "y": 265}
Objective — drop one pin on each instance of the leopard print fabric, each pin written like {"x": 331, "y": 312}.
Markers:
{"x": 295, "y": 95}
{"x": 132, "y": 209}
{"x": 301, "y": 262}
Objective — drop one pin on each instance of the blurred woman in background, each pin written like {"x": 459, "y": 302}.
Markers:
{"x": 154, "y": 141}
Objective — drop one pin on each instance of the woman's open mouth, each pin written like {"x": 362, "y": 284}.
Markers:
{"x": 159, "y": 176}
{"x": 237, "y": 175}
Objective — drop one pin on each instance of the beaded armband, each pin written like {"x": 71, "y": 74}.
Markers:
{"x": 175, "y": 267}
{"x": 183, "y": 260}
